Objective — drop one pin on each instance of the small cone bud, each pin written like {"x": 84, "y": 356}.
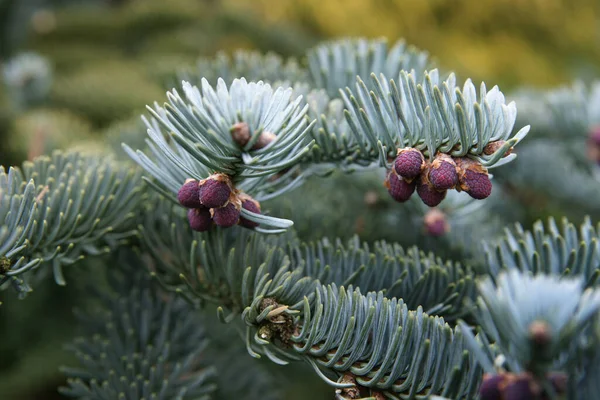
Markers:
{"x": 436, "y": 223}
{"x": 189, "y": 194}
{"x": 490, "y": 387}
{"x": 428, "y": 194}
{"x": 539, "y": 333}
{"x": 263, "y": 140}
{"x": 442, "y": 172}
{"x": 215, "y": 191}
{"x": 473, "y": 178}
{"x": 240, "y": 133}
{"x": 252, "y": 205}
{"x": 520, "y": 387}
{"x": 199, "y": 219}
{"x": 493, "y": 147}
{"x": 226, "y": 216}
{"x": 409, "y": 163}
{"x": 398, "y": 188}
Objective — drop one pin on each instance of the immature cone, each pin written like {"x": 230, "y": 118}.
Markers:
{"x": 442, "y": 172}
{"x": 189, "y": 194}
{"x": 520, "y": 387}
{"x": 398, "y": 188}
{"x": 409, "y": 163}
{"x": 252, "y": 205}
{"x": 436, "y": 223}
{"x": 199, "y": 219}
{"x": 539, "y": 333}
{"x": 226, "y": 216}
{"x": 473, "y": 178}
{"x": 215, "y": 190}
{"x": 427, "y": 192}
{"x": 490, "y": 387}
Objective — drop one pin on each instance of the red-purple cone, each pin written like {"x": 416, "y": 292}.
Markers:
{"x": 520, "y": 388}
{"x": 226, "y": 216}
{"x": 473, "y": 178}
{"x": 436, "y": 223}
{"x": 442, "y": 173}
{"x": 594, "y": 137}
{"x": 199, "y": 219}
{"x": 189, "y": 194}
{"x": 490, "y": 387}
{"x": 214, "y": 191}
{"x": 479, "y": 184}
{"x": 253, "y": 206}
{"x": 409, "y": 163}
{"x": 398, "y": 188}
{"x": 428, "y": 194}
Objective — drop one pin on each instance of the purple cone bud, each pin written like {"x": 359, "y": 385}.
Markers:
{"x": 199, "y": 219}
{"x": 429, "y": 195}
{"x": 490, "y": 387}
{"x": 189, "y": 195}
{"x": 214, "y": 193}
{"x": 409, "y": 163}
{"x": 594, "y": 137}
{"x": 519, "y": 389}
{"x": 250, "y": 205}
{"x": 398, "y": 188}
{"x": 479, "y": 184}
{"x": 226, "y": 216}
{"x": 442, "y": 174}
{"x": 435, "y": 223}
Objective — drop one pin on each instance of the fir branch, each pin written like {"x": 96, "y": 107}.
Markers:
{"x": 404, "y": 273}
{"x": 262, "y": 278}
{"x": 540, "y": 324}
{"x": 431, "y": 116}
{"x": 554, "y": 248}
{"x": 140, "y": 344}
{"x": 200, "y": 140}
{"x": 58, "y": 209}
{"x": 387, "y": 349}
{"x": 334, "y": 65}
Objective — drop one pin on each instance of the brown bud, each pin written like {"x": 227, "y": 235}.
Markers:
{"x": 240, "y": 133}
{"x": 539, "y": 333}
{"x": 263, "y": 140}
{"x": 493, "y": 147}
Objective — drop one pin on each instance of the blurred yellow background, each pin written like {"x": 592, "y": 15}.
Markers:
{"x": 514, "y": 42}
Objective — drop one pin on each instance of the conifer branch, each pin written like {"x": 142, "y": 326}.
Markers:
{"x": 432, "y": 116}
{"x": 55, "y": 210}
{"x": 541, "y": 325}
{"x": 140, "y": 344}
{"x": 217, "y": 130}
{"x": 262, "y": 278}
{"x": 553, "y": 248}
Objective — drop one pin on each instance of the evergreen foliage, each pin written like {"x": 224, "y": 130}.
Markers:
{"x": 379, "y": 299}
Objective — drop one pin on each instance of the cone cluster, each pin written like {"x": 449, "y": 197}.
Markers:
{"x": 523, "y": 386}
{"x": 215, "y": 201}
{"x": 431, "y": 180}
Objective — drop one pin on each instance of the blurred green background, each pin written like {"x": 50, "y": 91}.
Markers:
{"x": 107, "y": 59}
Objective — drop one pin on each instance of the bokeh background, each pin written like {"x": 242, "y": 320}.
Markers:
{"x": 89, "y": 67}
